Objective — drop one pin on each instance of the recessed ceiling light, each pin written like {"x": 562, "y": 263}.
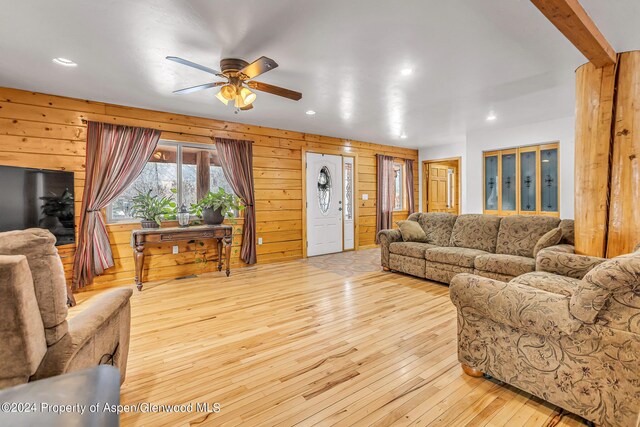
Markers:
{"x": 65, "y": 62}
{"x": 406, "y": 71}
{"x": 310, "y": 112}
{"x": 403, "y": 136}
{"x": 491, "y": 117}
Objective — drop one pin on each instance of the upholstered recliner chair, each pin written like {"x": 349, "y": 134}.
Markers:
{"x": 568, "y": 333}
{"x": 36, "y": 338}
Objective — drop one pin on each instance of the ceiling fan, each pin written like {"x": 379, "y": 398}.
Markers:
{"x": 239, "y": 75}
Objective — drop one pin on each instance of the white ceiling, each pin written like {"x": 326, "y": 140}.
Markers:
{"x": 469, "y": 57}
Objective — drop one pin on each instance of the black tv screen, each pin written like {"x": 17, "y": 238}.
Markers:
{"x": 38, "y": 198}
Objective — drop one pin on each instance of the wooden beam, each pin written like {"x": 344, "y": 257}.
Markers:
{"x": 572, "y": 20}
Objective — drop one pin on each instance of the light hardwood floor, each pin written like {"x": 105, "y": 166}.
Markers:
{"x": 297, "y": 344}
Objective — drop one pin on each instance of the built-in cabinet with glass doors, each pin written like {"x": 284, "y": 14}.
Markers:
{"x": 522, "y": 181}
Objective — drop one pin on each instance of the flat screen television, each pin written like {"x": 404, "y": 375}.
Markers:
{"x": 38, "y": 198}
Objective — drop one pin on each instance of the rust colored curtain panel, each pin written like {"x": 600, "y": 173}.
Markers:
{"x": 115, "y": 157}
{"x": 236, "y": 158}
{"x": 408, "y": 180}
{"x": 384, "y": 187}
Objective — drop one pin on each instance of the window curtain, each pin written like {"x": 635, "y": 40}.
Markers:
{"x": 236, "y": 158}
{"x": 115, "y": 157}
{"x": 408, "y": 180}
{"x": 384, "y": 194}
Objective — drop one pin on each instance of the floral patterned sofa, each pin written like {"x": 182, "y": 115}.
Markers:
{"x": 487, "y": 245}
{"x": 568, "y": 333}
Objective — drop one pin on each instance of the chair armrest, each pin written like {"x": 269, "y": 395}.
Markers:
{"x": 519, "y": 306}
{"x": 83, "y": 327}
{"x": 385, "y": 238}
{"x": 562, "y": 260}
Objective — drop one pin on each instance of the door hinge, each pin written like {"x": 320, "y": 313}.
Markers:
{"x": 307, "y": 243}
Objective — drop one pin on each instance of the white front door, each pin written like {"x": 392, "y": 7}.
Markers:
{"x": 324, "y": 204}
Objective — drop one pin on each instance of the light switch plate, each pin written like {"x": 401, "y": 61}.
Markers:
{"x": 175, "y": 249}
{"x": 259, "y": 240}
{"x": 365, "y": 197}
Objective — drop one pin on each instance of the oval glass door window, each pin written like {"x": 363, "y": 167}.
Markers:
{"x": 324, "y": 190}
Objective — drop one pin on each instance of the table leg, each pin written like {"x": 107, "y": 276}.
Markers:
{"x": 228, "y": 241}
{"x": 138, "y": 254}
{"x": 71, "y": 299}
{"x": 219, "y": 242}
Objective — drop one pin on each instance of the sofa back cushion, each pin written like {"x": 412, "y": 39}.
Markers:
{"x": 38, "y": 245}
{"x": 519, "y": 234}
{"x": 21, "y": 330}
{"x": 616, "y": 279}
{"x": 476, "y": 231}
{"x": 438, "y": 227}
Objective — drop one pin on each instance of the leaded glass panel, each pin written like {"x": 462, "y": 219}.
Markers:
{"x": 528, "y": 181}
{"x": 348, "y": 191}
{"x": 491, "y": 183}
{"x": 508, "y": 182}
{"x": 549, "y": 184}
{"x": 324, "y": 190}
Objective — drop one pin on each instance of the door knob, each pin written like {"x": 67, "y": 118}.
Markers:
{"x": 339, "y": 209}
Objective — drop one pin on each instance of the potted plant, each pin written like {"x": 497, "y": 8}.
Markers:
{"x": 150, "y": 209}
{"x": 214, "y": 207}
{"x": 60, "y": 207}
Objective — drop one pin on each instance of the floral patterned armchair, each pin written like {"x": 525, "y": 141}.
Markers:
{"x": 572, "y": 338}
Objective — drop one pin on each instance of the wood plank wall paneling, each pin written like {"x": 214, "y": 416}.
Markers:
{"x": 46, "y": 131}
{"x": 594, "y": 109}
{"x": 624, "y": 215}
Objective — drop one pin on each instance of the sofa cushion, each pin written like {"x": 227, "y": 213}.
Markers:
{"x": 462, "y": 257}
{"x": 549, "y": 282}
{"x": 437, "y": 227}
{"x": 519, "y": 234}
{"x": 475, "y": 231}
{"x": 38, "y": 245}
{"x": 568, "y": 233}
{"x": 411, "y": 231}
{"x": 412, "y": 249}
{"x": 550, "y": 238}
{"x": 511, "y": 265}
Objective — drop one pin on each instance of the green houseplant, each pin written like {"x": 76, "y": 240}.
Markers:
{"x": 151, "y": 209}
{"x": 214, "y": 207}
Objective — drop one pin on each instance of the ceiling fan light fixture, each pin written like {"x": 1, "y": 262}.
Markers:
{"x": 228, "y": 92}
{"x": 222, "y": 99}
{"x": 239, "y": 102}
{"x": 247, "y": 96}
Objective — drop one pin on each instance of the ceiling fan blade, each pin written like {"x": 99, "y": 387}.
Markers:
{"x": 247, "y": 107}
{"x": 259, "y": 66}
{"x": 194, "y": 65}
{"x": 199, "y": 87}
{"x": 276, "y": 90}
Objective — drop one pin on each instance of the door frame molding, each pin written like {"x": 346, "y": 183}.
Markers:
{"x": 356, "y": 219}
{"x": 425, "y": 186}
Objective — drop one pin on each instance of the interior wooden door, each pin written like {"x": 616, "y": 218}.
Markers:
{"x": 438, "y": 192}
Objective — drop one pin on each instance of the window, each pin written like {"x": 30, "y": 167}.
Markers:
{"x": 192, "y": 170}
{"x": 398, "y": 187}
{"x": 522, "y": 180}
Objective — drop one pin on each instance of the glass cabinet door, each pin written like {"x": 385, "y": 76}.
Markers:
{"x": 528, "y": 181}
{"x": 509, "y": 182}
{"x": 491, "y": 183}
{"x": 549, "y": 180}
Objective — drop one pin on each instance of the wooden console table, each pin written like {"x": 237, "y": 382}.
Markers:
{"x": 222, "y": 233}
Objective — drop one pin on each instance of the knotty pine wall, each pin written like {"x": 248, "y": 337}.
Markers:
{"x": 46, "y": 131}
